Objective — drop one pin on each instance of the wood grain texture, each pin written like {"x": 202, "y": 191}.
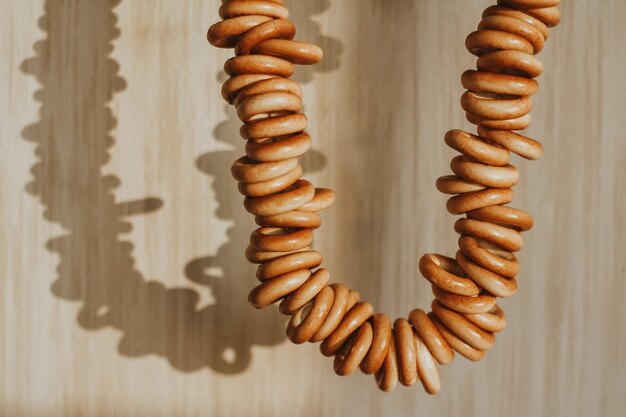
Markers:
{"x": 124, "y": 285}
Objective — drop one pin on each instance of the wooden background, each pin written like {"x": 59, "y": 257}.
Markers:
{"x": 123, "y": 287}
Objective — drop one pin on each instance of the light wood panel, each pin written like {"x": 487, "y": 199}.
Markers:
{"x": 124, "y": 285}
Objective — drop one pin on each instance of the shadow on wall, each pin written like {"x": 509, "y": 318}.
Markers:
{"x": 73, "y": 140}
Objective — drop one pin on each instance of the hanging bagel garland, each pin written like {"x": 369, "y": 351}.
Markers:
{"x": 464, "y": 315}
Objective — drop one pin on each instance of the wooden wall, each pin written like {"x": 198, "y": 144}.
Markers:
{"x": 123, "y": 287}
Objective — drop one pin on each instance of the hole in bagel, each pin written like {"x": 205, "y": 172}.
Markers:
{"x": 229, "y": 355}
{"x": 496, "y": 249}
{"x": 276, "y": 231}
{"x": 301, "y": 314}
{"x": 448, "y": 265}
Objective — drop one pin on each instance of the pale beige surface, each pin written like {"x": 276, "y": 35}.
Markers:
{"x": 123, "y": 288}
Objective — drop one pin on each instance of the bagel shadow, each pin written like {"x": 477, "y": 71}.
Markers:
{"x": 73, "y": 140}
